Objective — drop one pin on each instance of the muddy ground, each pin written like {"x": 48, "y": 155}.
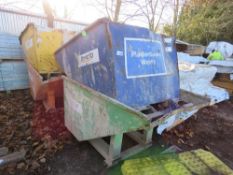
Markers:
{"x": 58, "y": 153}
{"x": 210, "y": 129}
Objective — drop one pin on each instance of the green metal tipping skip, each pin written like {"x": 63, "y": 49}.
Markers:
{"x": 92, "y": 113}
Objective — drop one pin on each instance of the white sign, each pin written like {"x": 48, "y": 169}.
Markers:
{"x": 88, "y": 58}
{"x": 75, "y": 105}
{"x": 119, "y": 53}
{"x": 144, "y": 58}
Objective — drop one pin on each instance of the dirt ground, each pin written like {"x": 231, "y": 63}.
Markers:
{"x": 211, "y": 129}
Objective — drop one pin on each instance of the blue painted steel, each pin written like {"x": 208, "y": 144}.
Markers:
{"x": 97, "y": 76}
{"x": 10, "y": 47}
{"x": 125, "y": 62}
{"x": 172, "y": 52}
{"x": 13, "y": 75}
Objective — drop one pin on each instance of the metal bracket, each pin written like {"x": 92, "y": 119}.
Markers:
{"x": 112, "y": 151}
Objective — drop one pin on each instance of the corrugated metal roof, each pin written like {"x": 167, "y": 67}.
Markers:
{"x": 13, "y": 69}
{"x": 13, "y": 75}
{"x": 10, "y": 47}
{"x": 14, "y": 22}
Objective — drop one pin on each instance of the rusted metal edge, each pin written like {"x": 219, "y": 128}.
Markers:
{"x": 40, "y": 89}
{"x": 175, "y": 112}
{"x": 53, "y": 79}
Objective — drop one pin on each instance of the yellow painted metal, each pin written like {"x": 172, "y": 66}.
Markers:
{"x": 39, "y": 47}
{"x": 198, "y": 162}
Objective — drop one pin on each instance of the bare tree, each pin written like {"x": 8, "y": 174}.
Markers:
{"x": 111, "y": 8}
{"x": 118, "y": 10}
{"x": 175, "y": 16}
{"x": 152, "y": 11}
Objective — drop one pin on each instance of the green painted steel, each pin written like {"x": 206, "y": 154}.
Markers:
{"x": 90, "y": 114}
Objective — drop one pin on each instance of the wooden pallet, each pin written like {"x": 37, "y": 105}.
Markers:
{"x": 223, "y": 80}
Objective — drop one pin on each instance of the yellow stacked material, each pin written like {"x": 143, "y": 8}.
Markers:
{"x": 198, "y": 162}
{"x": 154, "y": 166}
{"x": 145, "y": 166}
{"x": 39, "y": 47}
{"x": 213, "y": 162}
{"x": 193, "y": 162}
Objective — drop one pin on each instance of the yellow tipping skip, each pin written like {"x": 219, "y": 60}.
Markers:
{"x": 39, "y": 47}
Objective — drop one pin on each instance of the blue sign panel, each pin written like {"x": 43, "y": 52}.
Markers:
{"x": 143, "y": 58}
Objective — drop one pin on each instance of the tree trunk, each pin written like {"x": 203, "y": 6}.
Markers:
{"x": 176, "y": 10}
{"x": 117, "y": 11}
{"x": 49, "y": 13}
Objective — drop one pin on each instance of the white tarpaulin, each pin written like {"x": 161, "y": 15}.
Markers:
{"x": 224, "y": 66}
{"x": 197, "y": 78}
{"x": 190, "y": 59}
{"x": 225, "y": 48}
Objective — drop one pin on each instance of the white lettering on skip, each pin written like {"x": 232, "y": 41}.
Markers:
{"x": 148, "y": 62}
{"x": 141, "y": 54}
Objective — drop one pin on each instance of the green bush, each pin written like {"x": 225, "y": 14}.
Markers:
{"x": 202, "y": 21}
